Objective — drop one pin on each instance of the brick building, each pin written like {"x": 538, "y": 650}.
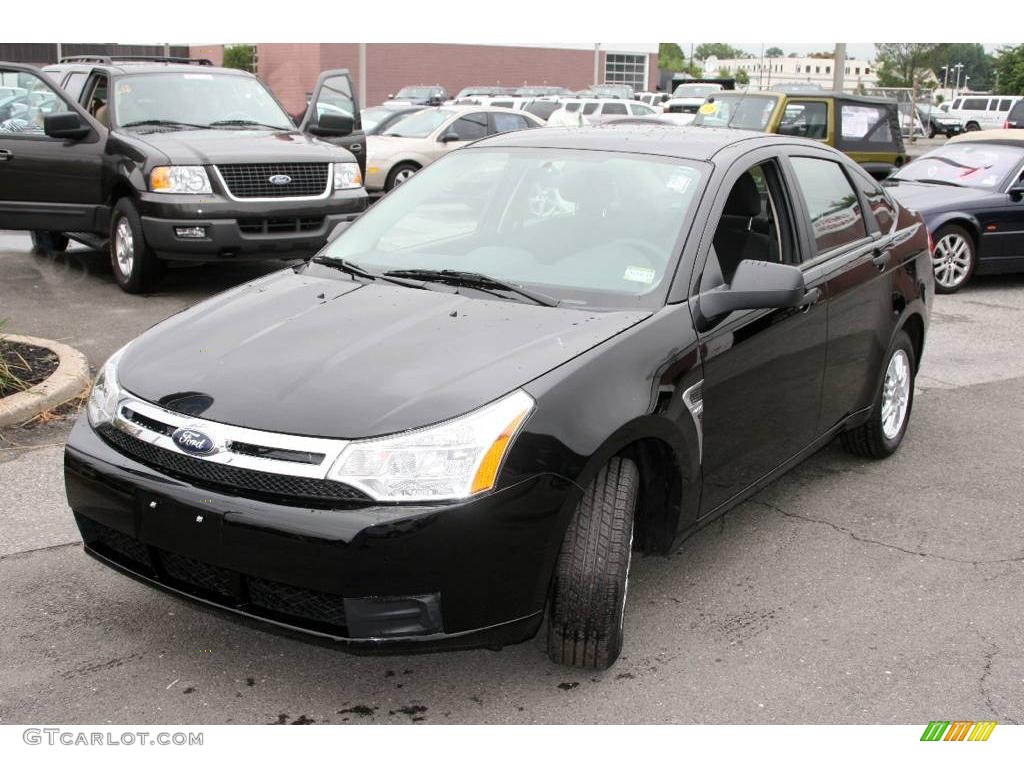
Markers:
{"x": 290, "y": 69}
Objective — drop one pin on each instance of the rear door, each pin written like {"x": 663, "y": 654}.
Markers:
{"x": 46, "y": 183}
{"x": 334, "y": 94}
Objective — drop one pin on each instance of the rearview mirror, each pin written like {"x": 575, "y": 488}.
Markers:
{"x": 333, "y": 125}
{"x": 755, "y": 285}
{"x": 65, "y": 125}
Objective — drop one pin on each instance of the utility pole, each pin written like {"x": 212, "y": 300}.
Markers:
{"x": 760, "y": 76}
{"x": 362, "y": 75}
{"x": 839, "y": 67}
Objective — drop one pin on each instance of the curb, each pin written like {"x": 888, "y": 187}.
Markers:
{"x": 70, "y": 378}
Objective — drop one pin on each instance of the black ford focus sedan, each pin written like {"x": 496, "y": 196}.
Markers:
{"x": 550, "y": 349}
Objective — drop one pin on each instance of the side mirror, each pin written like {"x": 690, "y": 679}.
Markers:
{"x": 332, "y": 125}
{"x": 65, "y": 125}
{"x": 449, "y": 137}
{"x": 756, "y": 285}
{"x": 1016, "y": 192}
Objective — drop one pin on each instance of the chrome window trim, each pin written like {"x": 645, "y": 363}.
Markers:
{"x": 224, "y": 434}
{"x": 227, "y": 190}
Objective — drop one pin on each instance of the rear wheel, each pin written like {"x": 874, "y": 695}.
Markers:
{"x": 953, "y": 258}
{"x": 136, "y": 267}
{"x": 49, "y": 242}
{"x": 591, "y": 578}
{"x": 400, "y": 174}
{"x": 972, "y": 126}
{"x": 883, "y": 432}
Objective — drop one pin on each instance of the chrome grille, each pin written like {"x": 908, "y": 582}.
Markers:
{"x": 252, "y": 180}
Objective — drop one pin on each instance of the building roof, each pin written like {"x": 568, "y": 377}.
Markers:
{"x": 701, "y": 143}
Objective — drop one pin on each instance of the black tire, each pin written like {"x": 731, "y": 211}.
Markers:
{"x": 395, "y": 177}
{"x": 145, "y": 269}
{"x": 869, "y": 439}
{"x": 953, "y": 234}
{"x": 49, "y": 242}
{"x": 931, "y": 133}
{"x": 972, "y": 126}
{"x": 589, "y": 591}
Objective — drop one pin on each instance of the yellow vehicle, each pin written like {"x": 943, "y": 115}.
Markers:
{"x": 864, "y": 127}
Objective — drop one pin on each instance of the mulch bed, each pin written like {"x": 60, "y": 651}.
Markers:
{"x": 25, "y": 362}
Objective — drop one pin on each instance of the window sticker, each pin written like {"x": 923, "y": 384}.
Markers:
{"x": 708, "y": 108}
{"x": 643, "y": 275}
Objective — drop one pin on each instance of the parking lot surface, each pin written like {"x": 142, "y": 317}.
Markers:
{"x": 849, "y": 591}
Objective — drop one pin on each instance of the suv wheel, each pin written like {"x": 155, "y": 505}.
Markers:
{"x": 400, "y": 174}
{"x": 972, "y": 126}
{"x": 953, "y": 258}
{"x": 883, "y": 432}
{"x": 136, "y": 267}
{"x": 591, "y": 578}
{"x": 49, "y": 242}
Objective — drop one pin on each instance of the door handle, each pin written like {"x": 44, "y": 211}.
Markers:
{"x": 881, "y": 258}
{"x": 810, "y": 299}
{"x": 6, "y": 154}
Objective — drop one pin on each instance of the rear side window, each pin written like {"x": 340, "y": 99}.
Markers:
{"x": 470, "y": 127}
{"x": 574, "y": 107}
{"x": 1005, "y": 104}
{"x": 505, "y": 122}
{"x": 865, "y": 127}
{"x": 590, "y": 107}
{"x": 979, "y": 104}
{"x": 614, "y": 108}
{"x": 73, "y": 86}
{"x": 805, "y": 118}
{"x": 831, "y": 202}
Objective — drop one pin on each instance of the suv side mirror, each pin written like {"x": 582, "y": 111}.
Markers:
{"x": 449, "y": 137}
{"x": 1016, "y": 192}
{"x": 333, "y": 125}
{"x": 756, "y": 285}
{"x": 65, "y": 125}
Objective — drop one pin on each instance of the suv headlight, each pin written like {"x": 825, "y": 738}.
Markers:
{"x": 105, "y": 393}
{"x": 347, "y": 176}
{"x": 180, "y": 180}
{"x": 452, "y": 460}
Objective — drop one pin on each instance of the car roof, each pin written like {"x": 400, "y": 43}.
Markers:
{"x": 144, "y": 67}
{"x": 1003, "y": 135}
{"x": 816, "y": 94}
{"x": 690, "y": 143}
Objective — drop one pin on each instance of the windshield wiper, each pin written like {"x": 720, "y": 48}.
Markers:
{"x": 162, "y": 124}
{"x": 474, "y": 280}
{"x": 943, "y": 182}
{"x": 352, "y": 268}
{"x": 219, "y": 123}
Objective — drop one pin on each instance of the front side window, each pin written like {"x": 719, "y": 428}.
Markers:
{"x": 505, "y": 122}
{"x": 641, "y": 109}
{"x": 30, "y": 101}
{"x": 335, "y": 97}
{"x": 736, "y": 111}
{"x": 805, "y": 118}
{"x": 969, "y": 164}
{"x": 590, "y": 228}
{"x": 421, "y": 124}
{"x": 146, "y": 101}
{"x": 831, "y": 202}
{"x": 590, "y": 107}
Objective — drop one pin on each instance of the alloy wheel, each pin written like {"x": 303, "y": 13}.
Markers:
{"x": 896, "y": 394}
{"x": 951, "y": 260}
{"x": 404, "y": 175}
{"x": 124, "y": 247}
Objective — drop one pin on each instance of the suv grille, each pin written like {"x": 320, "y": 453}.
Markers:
{"x": 253, "y": 180}
{"x": 280, "y": 226}
{"x": 209, "y": 473}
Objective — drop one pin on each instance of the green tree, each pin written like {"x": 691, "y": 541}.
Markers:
{"x": 978, "y": 65}
{"x": 742, "y": 78}
{"x": 241, "y": 56}
{"x": 724, "y": 72}
{"x": 1010, "y": 69}
{"x": 672, "y": 59}
{"x": 719, "y": 50}
{"x": 901, "y": 64}
{"x": 774, "y": 52}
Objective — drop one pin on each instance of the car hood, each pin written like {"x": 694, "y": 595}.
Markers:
{"x": 925, "y": 197}
{"x": 304, "y": 352}
{"x": 215, "y": 146}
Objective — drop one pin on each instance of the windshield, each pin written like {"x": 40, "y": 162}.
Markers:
{"x": 589, "y": 228}
{"x": 615, "y": 91}
{"x": 694, "y": 91}
{"x": 967, "y": 164}
{"x": 417, "y": 92}
{"x": 420, "y": 125}
{"x": 374, "y": 116}
{"x": 197, "y": 99}
{"x": 737, "y": 110}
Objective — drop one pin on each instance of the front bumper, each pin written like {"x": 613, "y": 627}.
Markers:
{"x": 396, "y": 576}
{"x": 244, "y": 230}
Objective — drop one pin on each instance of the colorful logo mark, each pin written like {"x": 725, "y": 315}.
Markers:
{"x": 958, "y": 730}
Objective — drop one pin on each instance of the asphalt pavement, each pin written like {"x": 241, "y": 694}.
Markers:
{"x": 848, "y": 591}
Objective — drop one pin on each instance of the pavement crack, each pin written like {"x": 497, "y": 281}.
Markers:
{"x": 27, "y": 552}
{"x": 986, "y": 673}
{"x": 896, "y": 547}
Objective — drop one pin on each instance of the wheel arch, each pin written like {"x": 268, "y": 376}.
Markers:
{"x": 961, "y": 219}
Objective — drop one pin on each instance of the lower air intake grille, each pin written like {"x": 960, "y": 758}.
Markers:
{"x": 197, "y": 573}
{"x": 295, "y": 601}
{"x": 209, "y": 473}
{"x": 113, "y": 542}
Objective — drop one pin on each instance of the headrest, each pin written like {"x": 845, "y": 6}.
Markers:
{"x": 744, "y": 199}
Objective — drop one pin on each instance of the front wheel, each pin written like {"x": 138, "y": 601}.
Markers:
{"x": 953, "y": 258}
{"x": 883, "y": 432}
{"x": 591, "y": 579}
{"x": 400, "y": 174}
{"x": 136, "y": 267}
{"x": 972, "y": 126}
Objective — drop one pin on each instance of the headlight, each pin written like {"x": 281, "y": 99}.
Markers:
{"x": 453, "y": 460}
{"x": 347, "y": 176}
{"x": 180, "y": 180}
{"x": 105, "y": 392}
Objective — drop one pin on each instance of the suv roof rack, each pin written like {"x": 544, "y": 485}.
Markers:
{"x": 94, "y": 59}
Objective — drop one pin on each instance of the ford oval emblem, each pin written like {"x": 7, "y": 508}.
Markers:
{"x": 280, "y": 179}
{"x": 193, "y": 441}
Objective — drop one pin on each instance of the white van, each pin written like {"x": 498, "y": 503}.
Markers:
{"x": 576, "y": 112}
{"x": 983, "y": 112}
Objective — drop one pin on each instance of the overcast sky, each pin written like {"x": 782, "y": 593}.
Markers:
{"x": 855, "y": 50}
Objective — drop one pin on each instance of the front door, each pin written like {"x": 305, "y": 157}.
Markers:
{"x": 45, "y": 183}
{"x": 763, "y": 369}
{"x": 335, "y": 95}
